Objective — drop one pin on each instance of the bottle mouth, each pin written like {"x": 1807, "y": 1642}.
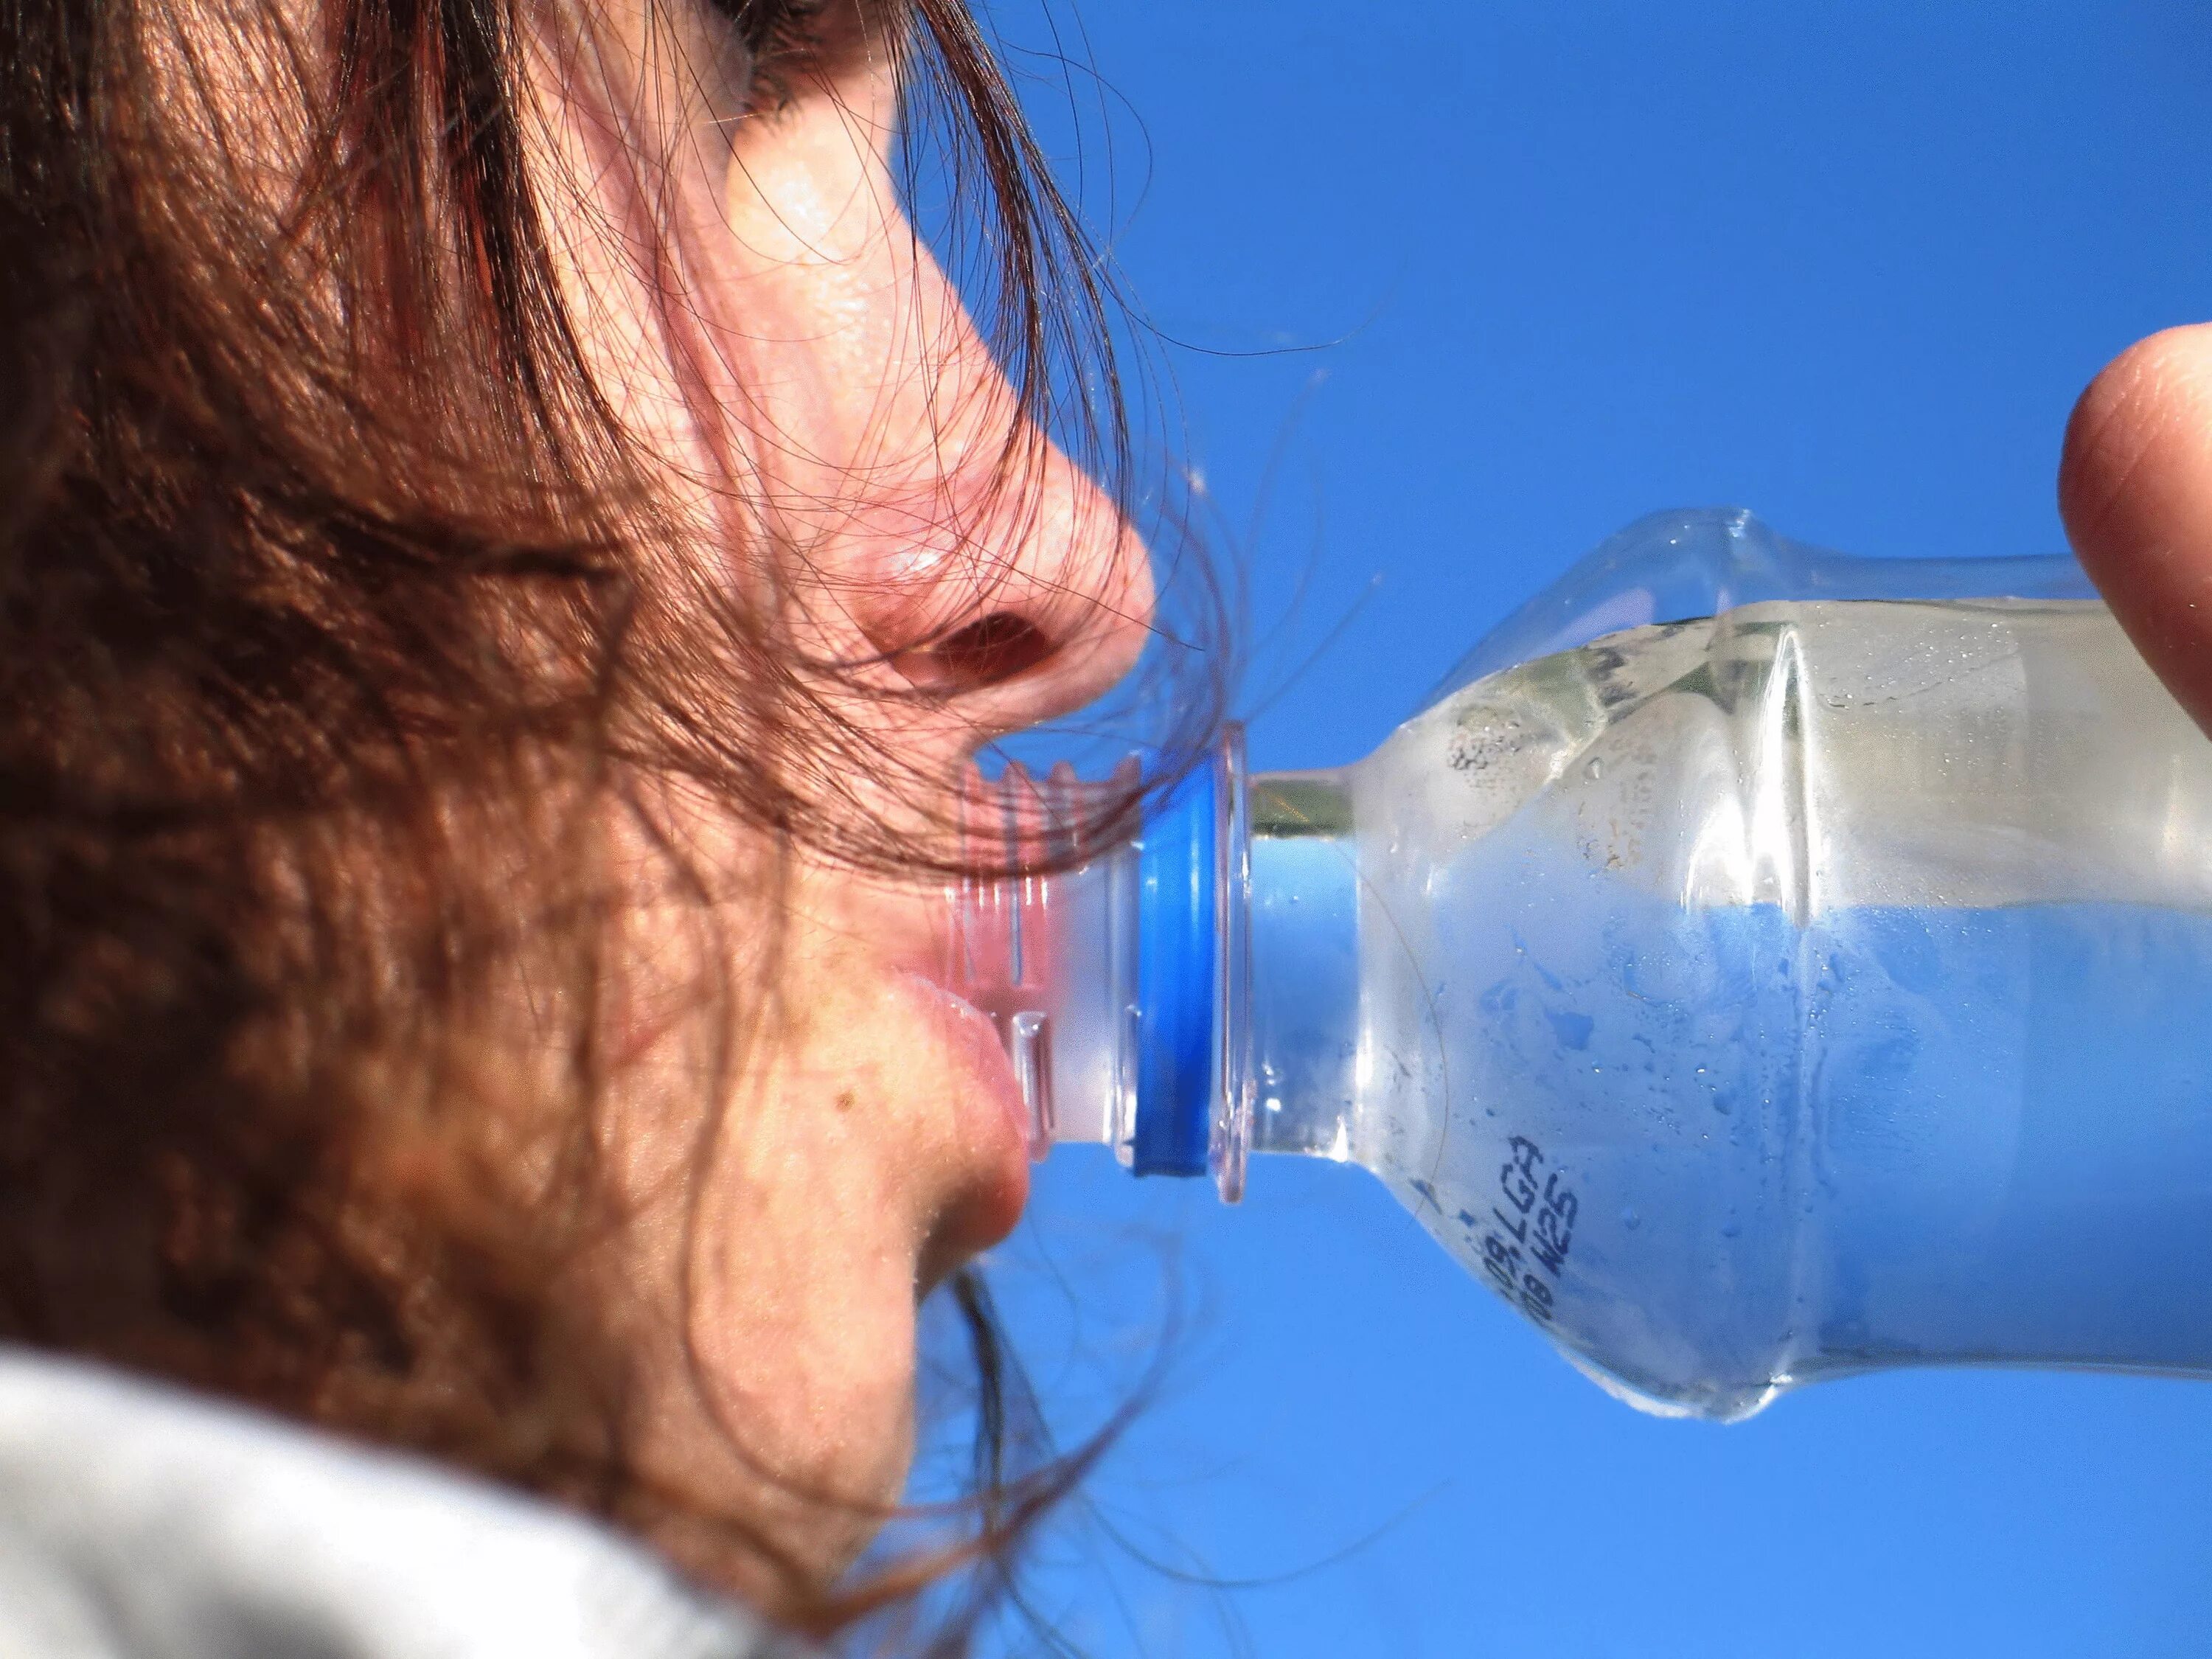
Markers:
{"x": 1116, "y": 977}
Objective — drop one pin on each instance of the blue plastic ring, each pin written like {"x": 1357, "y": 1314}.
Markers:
{"x": 1177, "y": 869}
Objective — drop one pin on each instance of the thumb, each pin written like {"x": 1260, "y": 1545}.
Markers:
{"x": 2134, "y": 485}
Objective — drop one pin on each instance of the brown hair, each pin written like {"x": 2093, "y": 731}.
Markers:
{"x": 332, "y": 637}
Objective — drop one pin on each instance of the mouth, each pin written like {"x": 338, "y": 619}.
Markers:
{"x": 959, "y": 1058}
{"x": 972, "y": 1039}
{"x": 993, "y": 1117}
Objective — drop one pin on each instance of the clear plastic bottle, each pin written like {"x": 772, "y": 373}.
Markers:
{"x": 1756, "y": 964}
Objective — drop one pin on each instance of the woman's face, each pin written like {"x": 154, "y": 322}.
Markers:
{"x": 752, "y": 296}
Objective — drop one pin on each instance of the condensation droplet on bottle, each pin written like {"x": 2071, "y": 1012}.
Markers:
{"x": 1631, "y": 1219}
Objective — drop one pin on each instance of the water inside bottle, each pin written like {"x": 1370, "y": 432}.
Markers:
{"x": 1813, "y": 988}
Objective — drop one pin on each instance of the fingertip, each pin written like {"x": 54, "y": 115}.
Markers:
{"x": 2136, "y": 408}
{"x": 2135, "y": 488}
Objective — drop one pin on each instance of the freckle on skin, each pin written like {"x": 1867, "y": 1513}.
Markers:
{"x": 845, "y": 1100}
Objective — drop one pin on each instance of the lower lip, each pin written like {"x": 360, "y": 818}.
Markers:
{"x": 974, "y": 1046}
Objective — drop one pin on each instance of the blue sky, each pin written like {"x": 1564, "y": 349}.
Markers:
{"x": 1458, "y": 289}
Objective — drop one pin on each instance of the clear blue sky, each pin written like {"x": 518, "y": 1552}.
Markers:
{"x": 1561, "y": 265}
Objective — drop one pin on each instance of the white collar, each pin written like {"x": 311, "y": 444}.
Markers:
{"x": 139, "y": 1521}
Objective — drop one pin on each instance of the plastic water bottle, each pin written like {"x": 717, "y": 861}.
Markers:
{"x": 1756, "y": 965}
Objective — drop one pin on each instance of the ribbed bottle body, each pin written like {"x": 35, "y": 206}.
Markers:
{"x": 1818, "y": 987}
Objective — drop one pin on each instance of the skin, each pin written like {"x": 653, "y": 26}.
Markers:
{"x": 808, "y": 379}
{"x": 2135, "y": 487}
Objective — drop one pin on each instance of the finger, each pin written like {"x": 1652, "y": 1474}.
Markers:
{"x": 2135, "y": 486}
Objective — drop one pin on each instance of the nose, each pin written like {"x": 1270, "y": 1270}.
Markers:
{"x": 940, "y": 534}
{"x": 1011, "y": 589}
{"x": 973, "y": 555}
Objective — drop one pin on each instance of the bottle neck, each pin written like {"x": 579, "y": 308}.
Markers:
{"x": 1246, "y": 1024}
{"x": 1116, "y": 980}
{"x": 1304, "y": 974}
{"x": 1187, "y": 998}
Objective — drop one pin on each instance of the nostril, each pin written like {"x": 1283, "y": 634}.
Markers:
{"x": 984, "y": 653}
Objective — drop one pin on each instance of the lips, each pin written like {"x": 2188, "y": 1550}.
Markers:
{"x": 993, "y": 1114}
{"x": 946, "y": 1058}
